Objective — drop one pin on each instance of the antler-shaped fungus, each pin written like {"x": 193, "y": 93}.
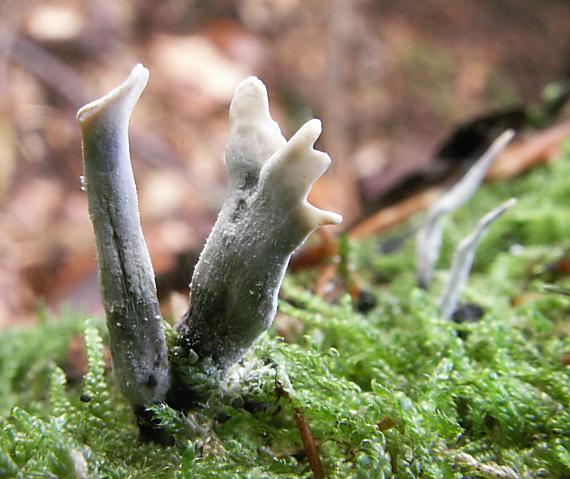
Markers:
{"x": 463, "y": 260}
{"x": 266, "y": 216}
{"x": 235, "y": 284}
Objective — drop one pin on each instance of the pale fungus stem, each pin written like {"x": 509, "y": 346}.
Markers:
{"x": 126, "y": 277}
{"x": 428, "y": 240}
{"x": 463, "y": 260}
{"x": 266, "y": 216}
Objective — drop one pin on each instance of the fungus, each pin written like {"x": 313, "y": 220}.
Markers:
{"x": 234, "y": 288}
{"x": 463, "y": 259}
{"x": 126, "y": 278}
{"x": 428, "y": 240}
{"x": 266, "y": 216}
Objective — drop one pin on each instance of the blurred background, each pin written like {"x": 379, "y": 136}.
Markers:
{"x": 409, "y": 93}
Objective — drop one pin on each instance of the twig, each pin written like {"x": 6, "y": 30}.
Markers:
{"x": 309, "y": 444}
{"x": 282, "y": 388}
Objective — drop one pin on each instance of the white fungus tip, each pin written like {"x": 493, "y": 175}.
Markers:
{"x": 506, "y": 137}
{"x": 463, "y": 260}
{"x": 307, "y": 135}
{"x": 250, "y": 100}
{"x": 510, "y": 202}
{"x": 296, "y": 166}
{"x": 496, "y": 213}
{"x": 129, "y": 92}
{"x": 254, "y": 136}
{"x": 315, "y": 217}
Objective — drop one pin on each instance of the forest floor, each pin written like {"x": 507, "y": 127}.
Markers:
{"x": 341, "y": 387}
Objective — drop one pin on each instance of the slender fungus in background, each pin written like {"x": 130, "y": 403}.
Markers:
{"x": 126, "y": 277}
{"x": 463, "y": 259}
{"x": 266, "y": 216}
{"x": 428, "y": 240}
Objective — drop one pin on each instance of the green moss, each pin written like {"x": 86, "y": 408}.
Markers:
{"x": 394, "y": 393}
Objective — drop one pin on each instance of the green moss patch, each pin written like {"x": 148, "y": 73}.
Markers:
{"x": 396, "y": 392}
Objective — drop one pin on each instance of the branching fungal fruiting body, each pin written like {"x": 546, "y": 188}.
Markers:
{"x": 266, "y": 216}
{"x": 428, "y": 241}
{"x": 235, "y": 284}
{"x": 126, "y": 277}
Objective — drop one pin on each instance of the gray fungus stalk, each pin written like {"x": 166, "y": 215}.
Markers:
{"x": 428, "y": 241}
{"x": 137, "y": 341}
{"x": 233, "y": 294}
{"x": 266, "y": 216}
{"x": 463, "y": 260}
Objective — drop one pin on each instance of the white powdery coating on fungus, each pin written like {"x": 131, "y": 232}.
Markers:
{"x": 266, "y": 216}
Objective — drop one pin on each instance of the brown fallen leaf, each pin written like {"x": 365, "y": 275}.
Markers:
{"x": 540, "y": 148}
{"x": 516, "y": 159}
{"x": 393, "y": 215}
{"x": 323, "y": 249}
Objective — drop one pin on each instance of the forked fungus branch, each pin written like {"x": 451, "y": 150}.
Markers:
{"x": 234, "y": 289}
